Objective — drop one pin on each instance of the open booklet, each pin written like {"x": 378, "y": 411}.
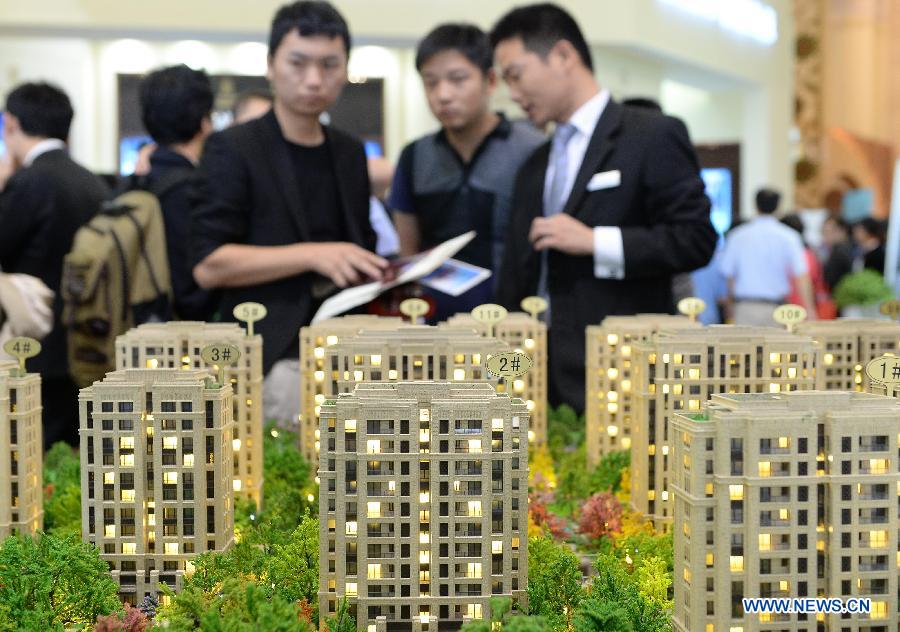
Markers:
{"x": 433, "y": 268}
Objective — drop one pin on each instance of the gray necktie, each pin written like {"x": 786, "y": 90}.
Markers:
{"x": 555, "y": 196}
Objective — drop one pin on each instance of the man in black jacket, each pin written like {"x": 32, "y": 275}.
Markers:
{"x": 607, "y": 211}
{"x": 176, "y": 106}
{"x": 43, "y": 203}
{"x": 282, "y": 202}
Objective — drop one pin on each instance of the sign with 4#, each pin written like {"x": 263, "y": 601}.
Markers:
{"x": 509, "y": 364}
{"x": 22, "y": 348}
{"x": 885, "y": 369}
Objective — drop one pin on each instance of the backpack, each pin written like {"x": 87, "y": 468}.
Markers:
{"x": 115, "y": 277}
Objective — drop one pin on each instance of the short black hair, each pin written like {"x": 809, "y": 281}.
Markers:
{"x": 767, "y": 201}
{"x": 248, "y": 95}
{"x": 876, "y": 228}
{"x": 174, "y": 102}
{"x": 839, "y": 222}
{"x": 308, "y": 17}
{"x": 541, "y": 26}
{"x": 468, "y": 39}
{"x": 793, "y": 220}
{"x": 43, "y": 110}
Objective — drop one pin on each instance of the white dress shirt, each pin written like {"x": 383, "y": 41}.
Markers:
{"x": 48, "y": 144}
{"x": 609, "y": 254}
{"x": 762, "y": 257}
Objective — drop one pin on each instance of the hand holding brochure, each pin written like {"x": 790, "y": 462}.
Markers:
{"x": 406, "y": 269}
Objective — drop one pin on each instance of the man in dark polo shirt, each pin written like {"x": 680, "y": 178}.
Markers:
{"x": 460, "y": 178}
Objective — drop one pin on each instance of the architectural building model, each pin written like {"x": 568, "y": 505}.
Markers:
{"x": 528, "y": 335}
{"x": 156, "y": 471}
{"x": 608, "y": 378}
{"x": 21, "y": 451}
{"x": 786, "y": 495}
{"x": 408, "y": 353}
{"x": 314, "y": 340}
{"x": 423, "y": 503}
{"x": 177, "y": 344}
{"x": 678, "y": 370}
{"x": 847, "y": 346}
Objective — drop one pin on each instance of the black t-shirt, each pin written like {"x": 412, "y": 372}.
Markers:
{"x": 318, "y": 189}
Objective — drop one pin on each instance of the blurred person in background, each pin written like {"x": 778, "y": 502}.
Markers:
{"x": 762, "y": 260}
{"x": 825, "y": 307}
{"x": 837, "y": 250}
{"x": 869, "y": 235}
{"x": 176, "y": 109}
{"x": 460, "y": 178}
{"x": 45, "y": 197}
{"x": 249, "y": 105}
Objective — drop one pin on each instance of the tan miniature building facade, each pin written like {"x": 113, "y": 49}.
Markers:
{"x": 423, "y": 503}
{"x": 156, "y": 474}
{"x": 21, "y": 452}
{"x": 608, "y": 379}
{"x": 847, "y": 346}
{"x": 177, "y": 344}
{"x": 314, "y": 340}
{"x": 409, "y": 353}
{"x": 786, "y": 495}
{"x": 528, "y": 335}
{"x": 679, "y": 370}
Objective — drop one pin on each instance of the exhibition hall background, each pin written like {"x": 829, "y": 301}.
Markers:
{"x": 811, "y": 107}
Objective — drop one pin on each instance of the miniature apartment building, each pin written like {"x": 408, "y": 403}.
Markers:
{"x": 786, "y": 495}
{"x": 156, "y": 471}
{"x": 21, "y": 452}
{"x": 678, "y": 370}
{"x": 608, "y": 378}
{"x": 847, "y": 346}
{"x": 177, "y": 344}
{"x": 528, "y": 335}
{"x": 423, "y": 503}
{"x": 314, "y": 340}
{"x": 409, "y": 353}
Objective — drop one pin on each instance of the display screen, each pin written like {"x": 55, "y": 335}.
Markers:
{"x": 718, "y": 188}
{"x": 128, "y": 152}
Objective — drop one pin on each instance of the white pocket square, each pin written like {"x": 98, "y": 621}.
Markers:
{"x": 605, "y": 180}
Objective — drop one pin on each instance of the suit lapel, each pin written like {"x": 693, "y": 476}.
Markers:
{"x": 276, "y": 151}
{"x": 339, "y": 164}
{"x": 598, "y": 150}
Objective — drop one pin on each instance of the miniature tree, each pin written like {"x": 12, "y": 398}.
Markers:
{"x": 129, "y": 620}
{"x": 51, "y": 582}
{"x": 554, "y": 582}
{"x": 601, "y": 516}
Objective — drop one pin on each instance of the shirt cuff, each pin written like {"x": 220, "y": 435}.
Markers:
{"x": 609, "y": 253}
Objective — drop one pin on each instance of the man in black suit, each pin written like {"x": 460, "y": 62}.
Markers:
{"x": 282, "y": 202}
{"x": 607, "y": 211}
{"x": 43, "y": 203}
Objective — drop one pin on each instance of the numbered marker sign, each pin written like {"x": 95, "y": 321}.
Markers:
{"x": 509, "y": 364}
{"x": 534, "y": 305}
{"x": 489, "y": 314}
{"x": 691, "y": 306}
{"x": 789, "y": 314}
{"x": 885, "y": 369}
{"x": 220, "y": 356}
{"x": 250, "y": 313}
{"x": 22, "y": 348}
{"x": 891, "y": 309}
{"x": 414, "y": 307}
